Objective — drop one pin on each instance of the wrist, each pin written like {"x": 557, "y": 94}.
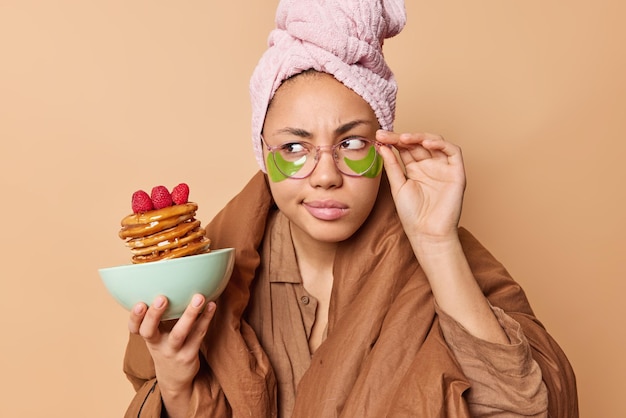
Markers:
{"x": 176, "y": 392}
{"x": 438, "y": 246}
{"x": 175, "y": 401}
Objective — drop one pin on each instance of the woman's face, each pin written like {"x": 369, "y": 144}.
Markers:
{"x": 327, "y": 206}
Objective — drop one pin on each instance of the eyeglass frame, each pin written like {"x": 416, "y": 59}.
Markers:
{"x": 318, "y": 149}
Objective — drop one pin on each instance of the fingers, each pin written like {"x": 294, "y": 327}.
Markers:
{"x": 136, "y": 316}
{"x": 188, "y": 330}
{"x": 149, "y": 328}
{"x": 193, "y": 324}
{"x": 198, "y": 332}
{"x": 400, "y": 140}
{"x": 145, "y": 322}
{"x": 421, "y": 145}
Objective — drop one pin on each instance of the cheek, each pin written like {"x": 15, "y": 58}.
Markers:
{"x": 369, "y": 199}
{"x": 283, "y": 192}
{"x": 365, "y": 192}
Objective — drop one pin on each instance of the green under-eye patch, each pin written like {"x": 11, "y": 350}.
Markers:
{"x": 370, "y": 166}
{"x": 280, "y": 169}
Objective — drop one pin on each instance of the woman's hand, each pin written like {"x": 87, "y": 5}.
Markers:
{"x": 429, "y": 195}
{"x": 173, "y": 346}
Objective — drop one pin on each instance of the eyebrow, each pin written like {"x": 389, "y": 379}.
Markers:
{"x": 302, "y": 133}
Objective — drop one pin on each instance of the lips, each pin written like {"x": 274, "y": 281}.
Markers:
{"x": 326, "y": 210}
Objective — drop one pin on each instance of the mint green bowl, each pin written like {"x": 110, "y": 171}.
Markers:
{"x": 177, "y": 279}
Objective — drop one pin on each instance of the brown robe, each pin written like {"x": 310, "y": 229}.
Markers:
{"x": 385, "y": 353}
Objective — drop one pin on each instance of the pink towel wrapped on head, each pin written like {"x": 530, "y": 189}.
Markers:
{"x": 340, "y": 37}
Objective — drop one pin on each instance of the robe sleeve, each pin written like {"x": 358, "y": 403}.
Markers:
{"x": 207, "y": 398}
{"x": 504, "y": 292}
{"x": 505, "y": 379}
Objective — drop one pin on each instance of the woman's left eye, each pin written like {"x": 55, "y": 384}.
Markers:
{"x": 293, "y": 148}
{"x": 353, "y": 143}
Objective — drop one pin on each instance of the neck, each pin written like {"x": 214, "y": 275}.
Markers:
{"x": 312, "y": 254}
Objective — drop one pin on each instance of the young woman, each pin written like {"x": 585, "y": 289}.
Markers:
{"x": 355, "y": 292}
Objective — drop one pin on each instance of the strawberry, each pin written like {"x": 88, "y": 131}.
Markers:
{"x": 161, "y": 197}
{"x": 141, "y": 202}
{"x": 180, "y": 194}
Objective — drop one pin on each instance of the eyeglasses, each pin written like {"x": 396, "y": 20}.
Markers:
{"x": 354, "y": 156}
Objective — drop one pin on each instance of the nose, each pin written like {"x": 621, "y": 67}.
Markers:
{"x": 325, "y": 174}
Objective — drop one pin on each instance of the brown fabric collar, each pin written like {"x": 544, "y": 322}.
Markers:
{"x": 283, "y": 255}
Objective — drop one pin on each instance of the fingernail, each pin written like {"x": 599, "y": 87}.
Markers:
{"x": 211, "y": 306}
{"x": 197, "y": 301}
{"x": 138, "y": 308}
{"x": 159, "y": 302}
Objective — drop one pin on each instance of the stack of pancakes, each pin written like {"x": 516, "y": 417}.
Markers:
{"x": 165, "y": 233}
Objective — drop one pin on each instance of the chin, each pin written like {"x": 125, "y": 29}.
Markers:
{"x": 330, "y": 234}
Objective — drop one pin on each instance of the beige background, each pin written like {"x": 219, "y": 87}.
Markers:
{"x": 101, "y": 98}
